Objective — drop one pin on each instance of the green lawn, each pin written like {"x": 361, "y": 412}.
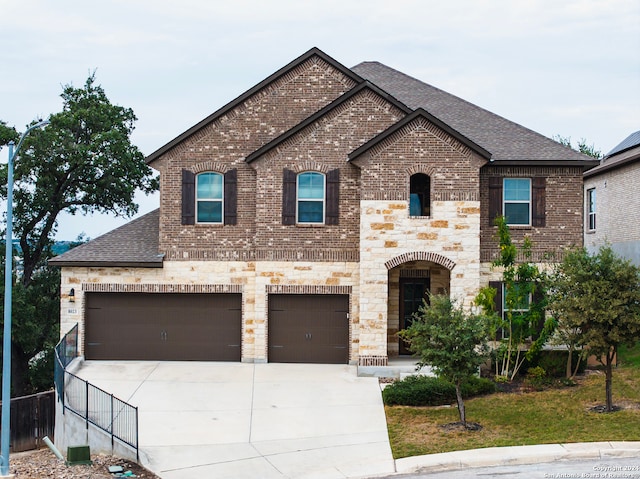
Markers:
{"x": 508, "y": 419}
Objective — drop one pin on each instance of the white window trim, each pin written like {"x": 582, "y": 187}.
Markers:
{"x": 315, "y": 200}
{"x": 529, "y": 201}
{"x": 221, "y": 201}
{"x": 591, "y": 214}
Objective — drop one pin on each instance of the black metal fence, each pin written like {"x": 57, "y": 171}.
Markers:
{"x": 32, "y": 418}
{"x": 94, "y": 405}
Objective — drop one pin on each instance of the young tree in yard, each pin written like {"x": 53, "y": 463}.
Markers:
{"x": 450, "y": 340}
{"x": 524, "y": 304}
{"x": 599, "y": 295}
{"x": 83, "y": 161}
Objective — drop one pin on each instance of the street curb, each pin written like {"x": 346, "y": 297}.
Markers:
{"x": 514, "y": 455}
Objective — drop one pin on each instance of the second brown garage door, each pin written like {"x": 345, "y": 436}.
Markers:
{"x": 163, "y": 326}
{"x": 308, "y": 328}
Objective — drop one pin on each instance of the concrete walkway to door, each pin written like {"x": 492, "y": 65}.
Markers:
{"x": 235, "y": 420}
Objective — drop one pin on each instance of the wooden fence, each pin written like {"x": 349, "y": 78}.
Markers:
{"x": 32, "y": 418}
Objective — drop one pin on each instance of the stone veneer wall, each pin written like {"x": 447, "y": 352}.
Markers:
{"x": 390, "y": 238}
{"x": 255, "y": 280}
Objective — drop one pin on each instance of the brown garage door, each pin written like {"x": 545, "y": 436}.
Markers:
{"x": 172, "y": 327}
{"x": 308, "y": 328}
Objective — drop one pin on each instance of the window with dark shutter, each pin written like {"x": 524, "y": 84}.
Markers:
{"x": 288, "y": 197}
{"x": 495, "y": 198}
{"x": 231, "y": 197}
{"x": 538, "y": 186}
{"x": 188, "y": 197}
{"x": 498, "y": 303}
{"x": 333, "y": 197}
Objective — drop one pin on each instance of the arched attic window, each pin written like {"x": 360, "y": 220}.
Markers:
{"x": 420, "y": 195}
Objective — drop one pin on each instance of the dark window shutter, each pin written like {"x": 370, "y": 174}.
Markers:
{"x": 188, "y": 197}
{"x": 497, "y": 302}
{"x": 333, "y": 197}
{"x": 495, "y": 198}
{"x": 536, "y": 298}
{"x": 231, "y": 197}
{"x": 288, "y": 197}
{"x": 538, "y": 186}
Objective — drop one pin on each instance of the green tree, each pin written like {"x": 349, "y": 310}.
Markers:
{"x": 7, "y": 134}
{"x": 525, "y": 301}
{"x": 450, "y": 340}
{"x": 599, "y": 295}
{"x": 582, "y": 147}
{"x": 82, "y": 162}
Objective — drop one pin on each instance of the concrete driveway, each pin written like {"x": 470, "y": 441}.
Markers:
{"x": 235, "y": 420}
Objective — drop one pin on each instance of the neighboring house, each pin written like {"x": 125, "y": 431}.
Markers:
{"x": 612, "y": 207}
{"x": 306, "y": 220}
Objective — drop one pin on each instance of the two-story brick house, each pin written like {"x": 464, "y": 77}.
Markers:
{"x": 306, "y": 220}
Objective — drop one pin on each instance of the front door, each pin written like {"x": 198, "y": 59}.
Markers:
{"x": 412, "y": 292}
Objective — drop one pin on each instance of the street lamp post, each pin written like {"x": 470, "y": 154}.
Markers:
{"x": 8, "y": 283}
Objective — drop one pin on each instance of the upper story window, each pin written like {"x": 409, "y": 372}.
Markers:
{"x": 310, "y": 197}
{"x": 591, "y": 209}
{"x": 209, "y": 197}
{"x": 517, "y": 201}
{"x": 522, "y": 201}
{"x": 420, "y": 195}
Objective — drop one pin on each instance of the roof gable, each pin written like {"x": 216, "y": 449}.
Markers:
{"x": 419, "y": 113}
{"x": 365, "y": 85}
{"x": 314, "y": 52}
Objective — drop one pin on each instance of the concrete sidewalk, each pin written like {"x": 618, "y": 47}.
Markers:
{"x": 236, "y": 420}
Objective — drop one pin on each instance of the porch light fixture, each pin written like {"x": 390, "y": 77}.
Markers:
{"x": 72, "y": 296}
{"x": 5, "y": 436}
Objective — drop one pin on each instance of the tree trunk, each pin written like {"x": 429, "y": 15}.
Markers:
{"x": 608, "y": 379}
{"x": 569, "y": 370}
{"x": 463, "y": 416}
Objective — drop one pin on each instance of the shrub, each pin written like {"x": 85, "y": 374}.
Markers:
{"x": 555, "y": 362}
{"x": 537, "y": 378}
{"x": 431, "y": 391}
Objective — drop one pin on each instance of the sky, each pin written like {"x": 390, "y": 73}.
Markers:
{"x": 559, "y": 67}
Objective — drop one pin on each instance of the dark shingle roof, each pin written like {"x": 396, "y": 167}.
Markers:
{"x": 133, "y": 245}
{"x": 506, "y": 141}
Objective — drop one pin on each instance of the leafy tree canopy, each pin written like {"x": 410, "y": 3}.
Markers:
{"x": 83, "y": 161}
{"x": 598, "y": 295}
{"x": 582, "y": 147}
{"x": 450, "y": 340}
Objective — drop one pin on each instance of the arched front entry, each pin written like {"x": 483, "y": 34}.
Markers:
{"x": 411, "y": 277}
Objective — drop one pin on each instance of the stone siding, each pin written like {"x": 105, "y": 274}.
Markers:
{"x": 255, "y": 280}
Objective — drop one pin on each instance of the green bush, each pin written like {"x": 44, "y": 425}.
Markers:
{"x": 537, "y": 378}
{"x": 554, "y": 362}
{"x": 431, "y": 391}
